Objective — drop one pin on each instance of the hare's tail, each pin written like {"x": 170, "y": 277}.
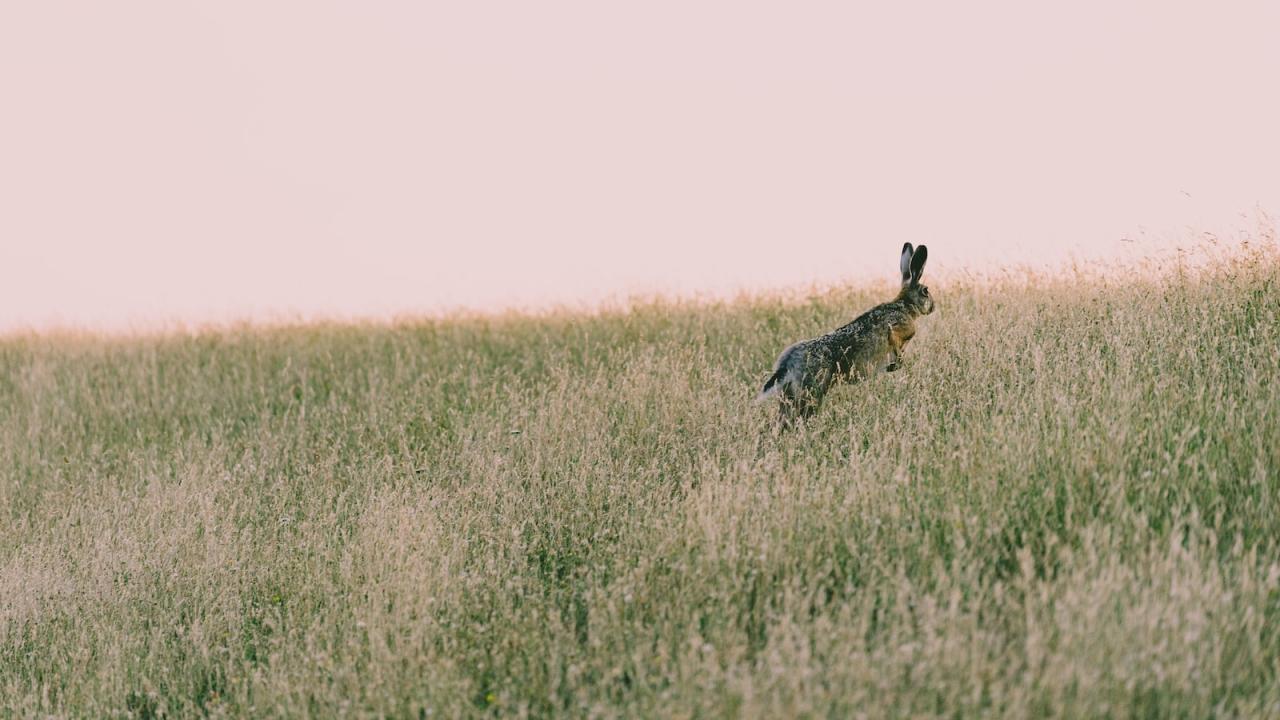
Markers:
{"x": 771, "y": 386}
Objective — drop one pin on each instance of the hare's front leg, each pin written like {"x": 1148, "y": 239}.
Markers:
{"x": 895, "y": 360}
{"x": 897, "y": 343}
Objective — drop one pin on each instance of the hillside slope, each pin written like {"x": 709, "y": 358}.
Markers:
{"x": 1066, "y": 502}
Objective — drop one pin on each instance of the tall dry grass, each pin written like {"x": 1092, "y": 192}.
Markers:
{"x": 1066, "y": 503}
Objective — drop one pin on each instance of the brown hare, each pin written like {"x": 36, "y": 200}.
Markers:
{"x": 872, "y": 342}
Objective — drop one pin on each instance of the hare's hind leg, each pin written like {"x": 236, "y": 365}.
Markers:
{"x": 792, "y": 412}
{"x": 787, "y": 405}
{"x": 794, "y": 404}
{"x": 802, "y": 397}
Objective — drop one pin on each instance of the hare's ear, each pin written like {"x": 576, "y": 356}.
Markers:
{"x": 917, "y": 263}
{"x": 904, "y": 263}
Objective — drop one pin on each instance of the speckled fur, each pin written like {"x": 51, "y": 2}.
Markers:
{"x": 872, "y": 343}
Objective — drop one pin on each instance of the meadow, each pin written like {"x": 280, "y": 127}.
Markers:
{"x": 1064, "y": 504}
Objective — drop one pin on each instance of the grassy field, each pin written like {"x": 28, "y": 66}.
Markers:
{"x": 1066, "y": 503}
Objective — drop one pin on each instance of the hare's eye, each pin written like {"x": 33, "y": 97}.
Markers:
{"x": 924, "y": 291}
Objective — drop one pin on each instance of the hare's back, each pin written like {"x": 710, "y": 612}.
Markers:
{"x": 863, "y": 343}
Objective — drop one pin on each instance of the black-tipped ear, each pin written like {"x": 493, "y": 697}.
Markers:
{"x": 917, "y": 263}
{"x": 904, "y": 263}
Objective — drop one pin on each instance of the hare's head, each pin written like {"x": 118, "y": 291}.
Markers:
{"x": 914, "y": 295}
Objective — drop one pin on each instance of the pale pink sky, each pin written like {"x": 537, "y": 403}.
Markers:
{"x": 166, "y": 160}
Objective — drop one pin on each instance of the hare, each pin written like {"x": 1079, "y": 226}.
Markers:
{"x": 872, "y": 342}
